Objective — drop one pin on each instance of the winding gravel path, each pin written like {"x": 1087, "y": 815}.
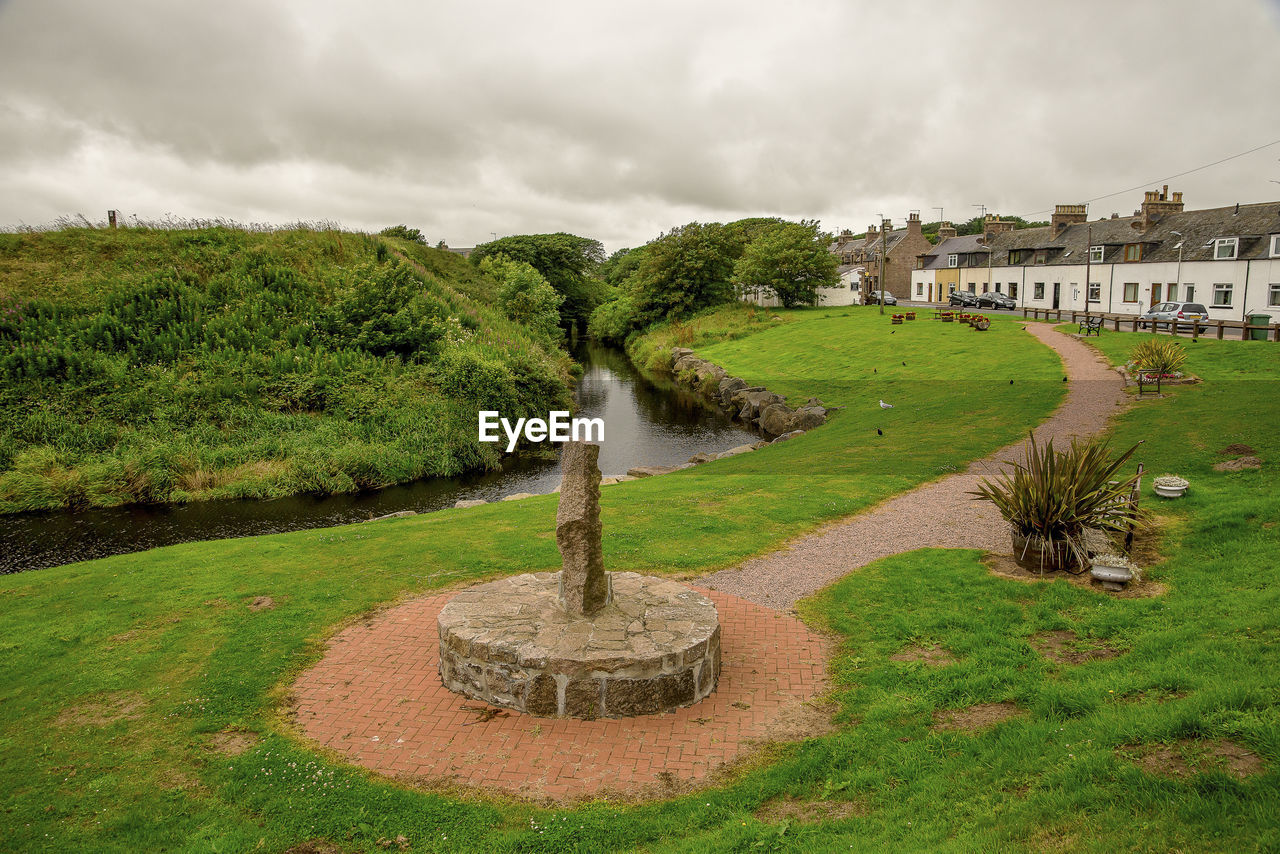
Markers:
{"x": 938, "y": 514}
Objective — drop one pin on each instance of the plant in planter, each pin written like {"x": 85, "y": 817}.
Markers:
{"x": 1159, "y": 357}
{"x": 1051, "y": 497}
{"x": 1170, "y": 486}
{"x": 1113, "y": 571}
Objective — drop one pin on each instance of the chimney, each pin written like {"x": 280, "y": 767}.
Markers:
{"x": 946, "y": 231}
{"x": 993, "y": 225}
{"x": 1065, "y": 215}
{"x": 913, "y": 224}
{"x": 1156, "y": 204}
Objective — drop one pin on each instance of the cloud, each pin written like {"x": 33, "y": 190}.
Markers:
{"x": 617, "y": 121}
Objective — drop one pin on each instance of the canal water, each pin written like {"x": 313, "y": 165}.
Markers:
{"x": 648, "y": 421}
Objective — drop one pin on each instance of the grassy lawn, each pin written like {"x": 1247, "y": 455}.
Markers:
{"x": 117, "y": 673}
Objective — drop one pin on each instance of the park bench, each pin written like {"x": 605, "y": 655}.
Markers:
{"x": 1090, "y": 326}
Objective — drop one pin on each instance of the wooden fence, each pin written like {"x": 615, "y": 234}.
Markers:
{"x": 1216, "y": 328}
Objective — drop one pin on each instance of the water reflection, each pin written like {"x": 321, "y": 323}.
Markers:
{"x": 647, "y": 422}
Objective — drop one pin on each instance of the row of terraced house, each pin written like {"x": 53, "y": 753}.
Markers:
{"x": 1225, "y": 258}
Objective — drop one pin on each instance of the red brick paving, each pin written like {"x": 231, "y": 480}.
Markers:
{"x": 377, "y": 699}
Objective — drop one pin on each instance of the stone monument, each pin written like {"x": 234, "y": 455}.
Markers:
{"x": 582, "y": 642}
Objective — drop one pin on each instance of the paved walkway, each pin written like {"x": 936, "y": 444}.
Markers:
{"x": 939, "y": 514}
{"x": 377, "y": 699}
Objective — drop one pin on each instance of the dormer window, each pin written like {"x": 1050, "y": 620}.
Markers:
{"x": 1095, "y": 254}
{"x": 1224, "y": 248}
{"x": 1275, "y": 246}
{"x": 1133, "y": 252}
{"x": 953, "y": 260}
{"x": 1041, "y": 256}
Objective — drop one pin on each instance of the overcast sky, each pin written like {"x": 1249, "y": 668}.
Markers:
{"x": 619, "y": 120}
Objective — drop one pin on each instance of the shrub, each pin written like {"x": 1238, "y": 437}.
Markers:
{"x": 404, "y": 232}
{"x": 613, "y": 321}
{"x": 1055, "y": 495}
{"x": 1158, "y": 356}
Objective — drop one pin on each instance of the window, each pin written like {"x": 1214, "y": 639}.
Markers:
{"x": 1173, "y": 292}
{"x": 997, "y": 287}
{"x": 919, "y": 288}
{"x": 1130, "y": 291}
{"x": 1041, "y": 256}
{"x": 1017, "y": 256}
{"x": 953, "y": 260}
{"x": 1222, "y": 294}
{"x": 985, "y": 287}
{"x": 1013, "y": 290}
{"x": 1095, "y": 292}
{"x": 1133, "y": 252}
{"x": 1191, "y": 293}
{"x": 1224, "y": 248}
{"x": 1273, "y": 296}
{"x": 1095, "y": 254}
{"x": 1275, "y": 246}
{"x": 1155, "y": 292}
{"x": 1039, "y": 290}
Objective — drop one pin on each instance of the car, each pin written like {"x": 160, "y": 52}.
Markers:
{"x": 995, "y": 299}
{"x": 962, "y": 298}
{"x": 876, "y": 296}
{"x": 1166, "y": 314}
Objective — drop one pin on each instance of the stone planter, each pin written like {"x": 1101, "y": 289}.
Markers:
{"x": 1035, "y": 556}
{"x": 1169, "y": 491}
{"x": 911, "y": 315}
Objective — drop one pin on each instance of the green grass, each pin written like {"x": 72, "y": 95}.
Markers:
{"x": 1199, "y": 661}
{"x": 152, "y": 366}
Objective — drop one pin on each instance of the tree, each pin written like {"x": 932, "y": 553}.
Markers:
{"x": 526, "y": 297}
{"x": 683, "y": 271}
{"x": 404, "y": 232}
{"x": 791, "y": 261}
{"x": 564, "y": 260}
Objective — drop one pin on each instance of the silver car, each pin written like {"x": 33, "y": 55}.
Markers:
{"x": 1166, "y": 314}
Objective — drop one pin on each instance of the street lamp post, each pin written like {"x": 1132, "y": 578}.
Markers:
{"x": 1178, "y": 276}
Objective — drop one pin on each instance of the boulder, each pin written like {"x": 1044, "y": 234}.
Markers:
{"x": 677, "y": 352}
{"x": 469, "y": 502}
{"x": 710, "y": 375}
{"x": 516, "y": 496}
{"x": 776, "y": 419}
{"x": 687, "y": 363}
{"x": 400, "y": 514}
{"x": 733, "y": 452}
{"x": 728, "y": 387}
{"x": 785, "y": 436}
{"x": 651, "y": 471}
{"x": 808, "y": 417}
{"x": 701, "y": 457}
{"x": 756, "y": 402}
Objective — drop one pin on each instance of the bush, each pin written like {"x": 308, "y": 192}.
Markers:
{"x": 1055, "y": 495}
{"x": 614, "y": 321}
{"x": 1158, "y": 356}
{"x": 404, "y": 232}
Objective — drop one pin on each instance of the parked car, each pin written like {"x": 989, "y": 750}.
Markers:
{"x": 1166, "y": 314}
{"x": 876, "y": 296}
{"x": 995, "y": 299}
{"x": 962, "y": 298}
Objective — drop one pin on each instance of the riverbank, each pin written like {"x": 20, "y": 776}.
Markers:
{"x": 156, "y": 675}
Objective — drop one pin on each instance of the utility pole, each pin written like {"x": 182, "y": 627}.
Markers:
{"x": 1088, "y": 265}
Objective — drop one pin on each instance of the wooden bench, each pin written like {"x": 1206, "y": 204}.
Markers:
{"x": 1090, "y": 326}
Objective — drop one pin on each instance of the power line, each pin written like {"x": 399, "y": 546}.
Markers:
{"x": 1146, "y": 184}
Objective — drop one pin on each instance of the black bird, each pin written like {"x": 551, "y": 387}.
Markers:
{"x": 904, "y": 364}
{"x": 1064, "y": 379}
{"x": 893, "y": 332}
{"x": 1010, "y": 382}
{"x": 879, "y": 432}
{"x": 875, "y": 371}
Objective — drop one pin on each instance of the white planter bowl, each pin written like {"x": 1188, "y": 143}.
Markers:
{"x": 1169, "y": 491}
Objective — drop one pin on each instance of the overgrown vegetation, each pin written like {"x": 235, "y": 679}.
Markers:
{"x": 144, "y": 365}
{"x": 566, "y": 261}
{"x": 170, "y": 631}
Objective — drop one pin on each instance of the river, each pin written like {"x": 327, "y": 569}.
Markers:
{"x": 647, "y": 421}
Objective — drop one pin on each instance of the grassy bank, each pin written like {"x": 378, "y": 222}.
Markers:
{"x": 117, "y": 674}
{"x": 143, "y": 366}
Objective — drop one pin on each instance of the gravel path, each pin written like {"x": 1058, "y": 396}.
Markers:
{"x": 938, "y": 514}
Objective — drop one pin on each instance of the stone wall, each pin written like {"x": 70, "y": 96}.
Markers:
{"x": 755, "y": 406}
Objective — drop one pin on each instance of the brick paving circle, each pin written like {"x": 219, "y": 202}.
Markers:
{"x": 377, "y": 699}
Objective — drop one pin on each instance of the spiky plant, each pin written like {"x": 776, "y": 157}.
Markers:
{"x": 1055, "y": 495}
{"x": 1158, "y": 356}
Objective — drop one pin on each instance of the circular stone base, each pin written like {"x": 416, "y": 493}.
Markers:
{"x": 654, "y": 648}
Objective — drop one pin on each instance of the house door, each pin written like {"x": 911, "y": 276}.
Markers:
{"x": 1057, "y": 293}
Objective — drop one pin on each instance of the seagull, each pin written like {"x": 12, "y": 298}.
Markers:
{"x": 884, "y": 405}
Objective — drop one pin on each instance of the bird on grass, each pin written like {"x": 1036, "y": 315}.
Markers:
{"x": 1010, "y": 382}
{"x": 904, "y": 364}
{"x": 1064, "y": 379}
{"x": 879, "y": 432}
{"x": 884, "y": 405}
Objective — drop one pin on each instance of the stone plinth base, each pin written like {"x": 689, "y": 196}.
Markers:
{"x": 510, "y": 642}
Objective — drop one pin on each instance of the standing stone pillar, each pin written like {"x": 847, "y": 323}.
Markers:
{"x": 584, "y": 585}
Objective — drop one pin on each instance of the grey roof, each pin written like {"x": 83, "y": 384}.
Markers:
{"x": 1253, "y": 224}
{"x": 965, "y": 245}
